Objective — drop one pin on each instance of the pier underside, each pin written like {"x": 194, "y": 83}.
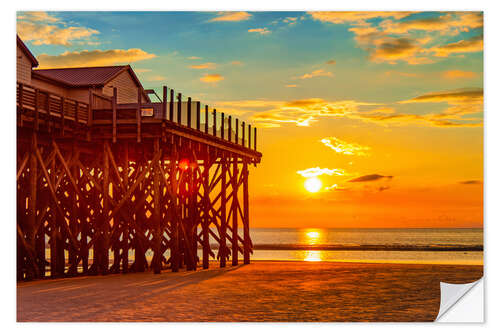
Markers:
{"x": 98, "y": 200}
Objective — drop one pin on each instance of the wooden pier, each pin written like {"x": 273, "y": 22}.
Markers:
{"x": 100, "y": 182}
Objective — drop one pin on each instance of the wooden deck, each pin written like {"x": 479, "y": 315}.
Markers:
{"x": 103, "y": 119}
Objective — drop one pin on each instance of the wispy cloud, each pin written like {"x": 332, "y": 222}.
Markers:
{"x": 316, "y": 73}
{"x": 42, "y": 28}
{"x": 236, "y": 63}
{"x": 470, "y": 45}
{"x": 93, "y": 58}
{"x": 194, "y": 58}
{"x": 331, "y": 62}
{"x": 369, "y": 178}
{"x": 459, "y": 74}
{"x": 471, "y": 182}
{"x": 317, "y": 171}
{"x": 211, "y": 78}
{"x": 346, "y": 148}
{"x": 291, "y": 86}
{"x": 231, "y": 17}
{"x": 156, "y": 78}
{"x": 352, "y": 17}
{"x": 262, "y": 31}
{"x": 207, "y": 65}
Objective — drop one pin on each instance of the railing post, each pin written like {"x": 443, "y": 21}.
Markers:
{"x": 255, "y": 138}
{"x": 249, "y": 136}
{"x": 189, "y": 112}
{"x": 171, "y": 111}
{"x": 138, "y": 113}
{"x": 236, "y": 131}
{"x": 222, "y": 125}
{"x": 243, "y": 133}
{"x": 206, "y": 119}
{"x": 229, "y": 128}
{"x": 215, "y": 123}
{"x": 198, "y": 115}
{"x": 179, "y": 105}
{"x": 164, "y": 104}
{"x": 113, "y": 105}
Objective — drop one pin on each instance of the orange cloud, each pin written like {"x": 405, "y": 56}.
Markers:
{"x": 460, "y": 21}
{"x": 43, "y": 29}
{"x": 291, "y": 86}
{"x": 231, "y": 17}
{"x": 459, "y": 74}
{"x": 317, "y": 171}
{"x": 262, "y": 31}
{"x": 474, "y": 95}
{"x": 236, "y": 63}
{"x": 331, "y": 62}
{"x": 473, "y": 44}
{"x": 207, "y": 65}
{"x": 349, "y": 17}
{"x": 316, "y": 73}
{"x": 211, "y": 78}
{"x": 93, "y": 58}
{"x": 346, "y": 148}
{"x": 156, "y": 78}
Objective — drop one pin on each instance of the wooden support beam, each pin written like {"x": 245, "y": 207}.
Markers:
{"x": 156, "y": 212}
{"x": 234, "y": 208}
{"x": 229, "y": 128}
{"x": 126, "y": 230}
{"x": 249, "y": 136}
{"x": 105, "y": 212}
{"x": 246, "y": 224}
{"x": 206, "y": 211}
{"x": 174, "y": 249}
{"x": 223, "y": 220}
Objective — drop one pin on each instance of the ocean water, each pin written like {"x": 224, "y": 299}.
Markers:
{"x": 414, "y": 246}
{"x": 425, "y": 246}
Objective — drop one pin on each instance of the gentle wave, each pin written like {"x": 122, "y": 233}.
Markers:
{"x": 403, "y": 247}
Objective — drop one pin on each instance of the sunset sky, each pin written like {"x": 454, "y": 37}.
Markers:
{"x": 384, "y": 108}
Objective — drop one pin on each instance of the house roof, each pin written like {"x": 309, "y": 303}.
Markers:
{"x": 85, "y": 76}
{"x": 27, "y": 52}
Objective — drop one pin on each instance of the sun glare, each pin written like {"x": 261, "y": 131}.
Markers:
{"x": 313, "y": 184}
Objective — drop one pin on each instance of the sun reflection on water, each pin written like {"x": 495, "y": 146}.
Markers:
{"x": 313, "y": 237}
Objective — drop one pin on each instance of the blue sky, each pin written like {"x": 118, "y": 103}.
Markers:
{"x": 406, "y": 85}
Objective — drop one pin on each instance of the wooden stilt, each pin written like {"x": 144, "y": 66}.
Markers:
{"x": 234, "y": 208}
{"x": 246, "y": 224}
{"x": 223, "y": 220}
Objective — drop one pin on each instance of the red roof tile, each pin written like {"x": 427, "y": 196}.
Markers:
{"x": 83, "y": 76}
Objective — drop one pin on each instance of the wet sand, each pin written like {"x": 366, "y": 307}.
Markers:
{"x": 261, "y": 291}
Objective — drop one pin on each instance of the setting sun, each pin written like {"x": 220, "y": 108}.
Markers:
{"x": 313, "y": 184}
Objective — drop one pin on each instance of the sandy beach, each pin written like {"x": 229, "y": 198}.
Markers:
{"x": 261, "y": 291}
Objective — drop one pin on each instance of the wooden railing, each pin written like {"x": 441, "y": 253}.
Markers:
{"x": 101, "y": 109}
{"x": 42, "y": 104}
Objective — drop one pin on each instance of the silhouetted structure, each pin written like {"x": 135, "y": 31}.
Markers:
{"x": 106, "y": 179}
